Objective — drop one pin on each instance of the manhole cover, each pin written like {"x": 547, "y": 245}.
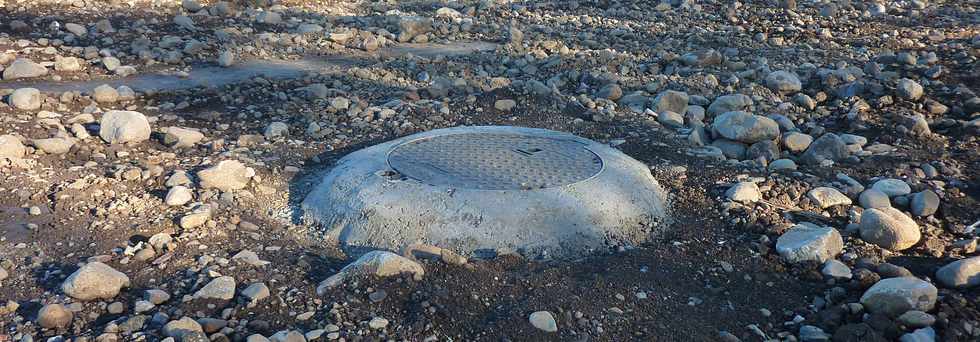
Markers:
{"x": 488, "y": 161}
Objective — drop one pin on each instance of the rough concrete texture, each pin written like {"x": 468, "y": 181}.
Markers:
{"x": 361, "y": 205}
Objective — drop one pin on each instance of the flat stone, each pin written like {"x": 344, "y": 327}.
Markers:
{"x": 374, "y": 263}
{"x": 836, "y": 269}
{"x": 222, "y": 288}
{"x": 182, "y": 329}
{"x": 23, "y": 68}
{"x": 178, "y": 137}
{"x": 256, "y": 292}
{"x": 797, "y": 142}
{"x": 826, "y": 197}
{"x": 783, "y": 82}
{"x": 227, "y": 175}
{"x": 178, "y": 195}
{"x": 964, "y": 273}
{"x": 809, "y": 242}
{"x": 729, "y": 103}
{"x": 916, "y": 319}
{"x": 889, "y": 228}
{"x": 745, "y": 192}
{"x": 896, "y": 296}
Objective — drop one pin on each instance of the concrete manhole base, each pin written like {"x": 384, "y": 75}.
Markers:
{"x": 469, "y": 189}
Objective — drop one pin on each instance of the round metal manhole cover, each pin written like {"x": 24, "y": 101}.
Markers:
{"x": 489, "y": 161}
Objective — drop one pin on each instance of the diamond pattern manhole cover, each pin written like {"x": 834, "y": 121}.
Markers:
{"x": 491, "y": 161}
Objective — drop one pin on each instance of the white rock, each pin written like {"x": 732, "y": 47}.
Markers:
{"x": 892, "y": 187}
{"x": 895, "y": 296}
{"x": 784, "y": 82}
{"x": 25, "y": 99}
{"x": 809, "y": 242}
{"x": 227, "y": 175}
{"x": 11, "y": 147}
{"x": 544, "y": 321}
{"x": 744, "y": 192}
{"x": 178, "y": 137}
{"x": 222, "y": 288}
{"x": 836, "y": 269}
{"x": 374, "y": 263}
{"x": 826, "y": 197}
{"x": 120, "y": 126}
{"x": 889, "y": 228}
{"x": 23, "y": 68}
{"x": 95, "y": 280}
{"x": 178, "y": 195}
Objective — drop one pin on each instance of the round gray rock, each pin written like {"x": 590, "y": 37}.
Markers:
{"x": 889, "y": 228}
{"x": 498, "y": 188}
{"x": 896, "y": 296}
{"x": 745, "y": 127}
{"x": 961, "y": 273}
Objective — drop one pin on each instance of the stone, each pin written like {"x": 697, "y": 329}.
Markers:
{"x": 54, "y": 316}
{"x": 226, "y": 58}
{"x": 374, "y": 263}
{"x": 197, "y": 217}
{"x": 111, "y": 63}
{"x": 809, "y": 333}
{"x": 796, "y": 142}
{"x": 916, "y": 319}
{"x": 924, "y": 203}
{"x": 269, "y": 18}
{"x": 54, "y": 145}
{"x": 185, "y": 22}
{"x": 729, "y": 103}
{"x": 178, "y": 137}
{"x": 105, "y": 94}
{"x": 671, "y": 119}
{"x": 809, "y": 242}
{"x": 731, "y": 149}
{"x": 873, "y": 198}
{"x": 67, "y": 64}
{"x": 745, "y": 192}
{"x": 11, "y": 147}
{"x": 610, "y": 91}
{"x": 182, "y": 329}
{"x": 94, "y": 280}
{"x": 670, "y": 101}
{"x": 25, "y": 99}
{"x": 276, "y": 130}
{"x": 828, "y": 147}
{"x": 191, "y": 5}
{"x": 908, "y": 89}
{"x": 889, "y": 228}
{"x": 156, "y": 296}
{"x": 121, "y": 126}
{"x": 544, "y": 321}
{"x": 764, "y": 150}
{"x": 222, "y": 288}
{"x": 781, "y": 164}
{"x": 927, "y": 334}
{"x": 76, "y": 29}
{"x": 256, "y": 292}
{"x": 964, "y": 273}
{"x": 896, "y": 296}
{"x": 836, "y": 269}
{"x": 892, "y": 187}
{"x": 505, "y": 105}
{"x": 23, "y": 68}
{"x": 783, "y": 82}
{"x": 378, "y": 323}
{"x": 826, "y": 197}
{"x": 745, "y": 127}
{"x": 178, "y": 195}
{"x": 410, "y": 27}
{"x": 227, "y": 175}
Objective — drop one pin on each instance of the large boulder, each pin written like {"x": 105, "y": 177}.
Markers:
{"x": 375, "y": 263}
{"x": 889, "y": 228}
{"x": 25, "y": 99}
{"x": 745, "y": 127}
{"x": 809, "y": 242}
{"x": 23, "y": 68}
{"x": 227, "y": 175}
{"x": 963, "y": 273}
{"x": 896, "y": 296}
{"x": 93, "y": 281}
{"x": 123, "y": 126}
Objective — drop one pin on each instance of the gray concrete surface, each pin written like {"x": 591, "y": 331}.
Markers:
{"x": 363, "y": 204}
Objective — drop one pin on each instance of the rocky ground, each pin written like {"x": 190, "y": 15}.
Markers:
{"x": 822, "y": 158}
